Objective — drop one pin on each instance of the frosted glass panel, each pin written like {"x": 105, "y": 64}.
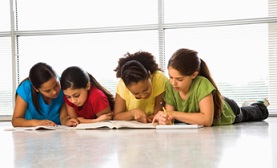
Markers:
{"x": 61, "y": 14}
{"x": 6, "y": 96}
{"x": 213, "y": 10}
{"x": 5, "y": 15}
{"x": 96, "y": 53}
{"x": 236, "y": 55}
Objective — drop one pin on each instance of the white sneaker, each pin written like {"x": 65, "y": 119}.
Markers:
{"x": 249, "y": 102}
{"x": 265, "y": 102}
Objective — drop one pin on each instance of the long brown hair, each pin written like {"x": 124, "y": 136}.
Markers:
{"x": 186, "y": 61}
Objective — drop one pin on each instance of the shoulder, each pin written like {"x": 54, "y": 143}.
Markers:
{"x": 26, "y": 82}
{"x": 24, "y": 86}
{"x": 122, "y": 90}
{"x": 159, "y": 73}
{"x": 158, "y": 81}
{"x": 120, "y": 83}
{"x": 121, "y": 87}
{"x": 202, "y": 86}
{"x": 96, "y": 93}
{"x": 97, "y": 98}
{"x": 159, "y": 76}
{"x": 24, "y": 90}
{"x": 200, "y": 80}
{"x": 169, "y": 87}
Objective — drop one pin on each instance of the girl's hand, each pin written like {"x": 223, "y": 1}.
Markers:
{"x": 162, "y": 118}
{"x": 150, "y": 118}
{"x": 44, "y": 123}
{"x": 80, "y": 119}
{"x": 105, "y": 117}
{"x": 139, "y": 115}
{"x": 72, "y": 122}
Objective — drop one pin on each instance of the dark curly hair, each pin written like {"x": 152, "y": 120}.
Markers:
{"x": 133, "y": 68}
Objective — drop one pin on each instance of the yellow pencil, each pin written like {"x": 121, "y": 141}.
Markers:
{"x": 166, "y": 114}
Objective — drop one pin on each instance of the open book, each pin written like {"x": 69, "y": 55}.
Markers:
{"x": 37, "y": 128}
{"x": 116, "y": 124}
{"x": 112, "y": 124}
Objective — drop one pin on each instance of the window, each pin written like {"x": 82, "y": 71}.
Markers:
{"x": 6, "y": 77}
{"x": 6, "y": 89}
{"x": 96, "y": 53}
{"x": 236, "y": 39}
{"x": 237, "y": 56}
{"x": 74, "y": 14}
{"x": 178, "y": 11}
{"x": 5, "y": 16}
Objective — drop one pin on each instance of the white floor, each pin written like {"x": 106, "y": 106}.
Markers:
{"x": 246, "y": 145}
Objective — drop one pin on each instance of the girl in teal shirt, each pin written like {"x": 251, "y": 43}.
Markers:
{"x": 191, "y": 96}
{"x": 39, "y": 100}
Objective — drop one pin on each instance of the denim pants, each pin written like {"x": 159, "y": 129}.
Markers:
{"x": 254, "y": 112}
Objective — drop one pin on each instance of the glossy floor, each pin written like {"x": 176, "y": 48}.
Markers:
{"x": 241, "y": 145}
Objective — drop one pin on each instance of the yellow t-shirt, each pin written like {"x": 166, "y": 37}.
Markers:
{"x": 158, "y": 86}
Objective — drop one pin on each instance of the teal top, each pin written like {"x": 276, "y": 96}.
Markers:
{"x": 199, "y": 89}
{"x": 48, "y": 111}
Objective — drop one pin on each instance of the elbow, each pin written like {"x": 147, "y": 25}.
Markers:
{"x": 14, "y": 123}
{"x": 116, "y": 116}
{"x": 207, "y": 120}
{"x": 208, "y": 125}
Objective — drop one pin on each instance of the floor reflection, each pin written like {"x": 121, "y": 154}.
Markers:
{"x": 239, "y": 145}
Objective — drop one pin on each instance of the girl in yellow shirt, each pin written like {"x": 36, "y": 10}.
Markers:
{"x": 139, "y": 92}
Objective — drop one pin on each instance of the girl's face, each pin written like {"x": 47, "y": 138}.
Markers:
{"x": 77, "y": 96}
{"x": 142, "y": 89}
{"x": 178, "y": 81}
{"x": 51, "y": 88}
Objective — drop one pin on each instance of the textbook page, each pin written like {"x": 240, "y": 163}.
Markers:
{"x": 115, "y": 124}
{"x": 37, "y": 128}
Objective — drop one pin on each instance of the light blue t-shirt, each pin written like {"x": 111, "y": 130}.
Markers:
{"x": 47, "y": 111}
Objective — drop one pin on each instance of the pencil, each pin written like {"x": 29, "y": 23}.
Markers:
{"x": 166, "y": 114}
{"x": 164, "y": 111}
